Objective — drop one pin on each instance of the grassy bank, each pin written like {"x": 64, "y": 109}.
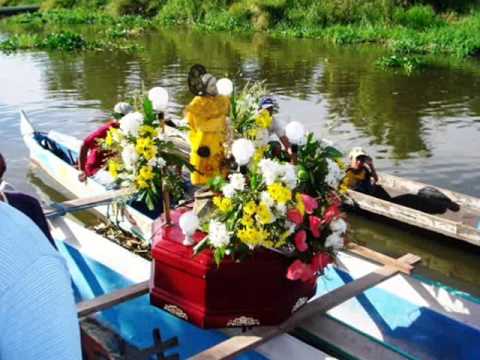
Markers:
{"x": 409, "y": 29}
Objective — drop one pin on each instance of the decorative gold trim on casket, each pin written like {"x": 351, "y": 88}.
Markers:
{"x": 243, "y": 321}
{"x": 175, "y": 310}
{"x": 300, "y": 302}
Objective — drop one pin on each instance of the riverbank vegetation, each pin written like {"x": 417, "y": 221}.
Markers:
{"x": 408, "y": 29}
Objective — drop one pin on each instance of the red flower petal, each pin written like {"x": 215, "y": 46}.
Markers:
{"x": 295, "y": 216}
{"x": 315, "y": 223}
{"x": 332, "y": 212}
{"x": 300, "y": 271}
{"x": 301, "y": 241}
{"x": 320, "y": 261}
{"x": 310, "y": 203}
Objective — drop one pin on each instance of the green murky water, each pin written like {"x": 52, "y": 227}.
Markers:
{"x": 424, "y": 126}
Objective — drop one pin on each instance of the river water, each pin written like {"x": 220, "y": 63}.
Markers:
{"x": 424, "y": 126}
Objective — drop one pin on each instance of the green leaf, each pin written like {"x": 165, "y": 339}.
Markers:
{"x": 150, "y": 115}
{"x": 333, "y": 153}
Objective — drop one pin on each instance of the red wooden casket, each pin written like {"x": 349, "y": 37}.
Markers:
{"x": 253, "y": 292}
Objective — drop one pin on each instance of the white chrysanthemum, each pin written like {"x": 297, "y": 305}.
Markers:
{"x": 159, "y": 98}
{"x": 295, "y": 133}
{"x": 129, "y": 157}
{"x": 270, "y": 170}
{"x": 225, "y": 87}
{"x": 243, "y": 150}
{"x": 334, "y": 175}
{"x": 130, "y": 123}
{"x": 339, "y": 226}
{"x": 266, "y": 198}
{"x": 161, "y": 162}
{"x": 289, "y": 175}
{"x": 237, "y": 180}
{"x": 334, "y": 240}
{"x": 281, "y": 209}
{"x": 122, "y": 108}
{"x": 228, "y": 190}
{"x": 218, "y": 234}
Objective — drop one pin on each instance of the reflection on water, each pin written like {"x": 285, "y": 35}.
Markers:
{"x": 424, "y": 126}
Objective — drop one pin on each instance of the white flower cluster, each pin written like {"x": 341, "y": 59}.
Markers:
{"x": 237, "y": 183}
{"x": 243, "y": 150}
{"x": 218, "y": 234}
{"x": 334, "y": 175}
{"x": 129, "y": 156}
{"x": 335, "y": 239}
{"x": 273, "y": 171}
{"x": 130, "y": 123}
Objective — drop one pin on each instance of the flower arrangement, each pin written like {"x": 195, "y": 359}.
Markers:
{"x": 144, "y": 159}
{"x": 272, "y": 204}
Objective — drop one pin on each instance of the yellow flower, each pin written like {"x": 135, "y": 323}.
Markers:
{"x": 263, "y": 119}
{"x": 147, "y": 130}
{"x": 250, "y": 208}
{"x": 109, "y": 139}
{"x": 113, "y": 168}
{"x": 150, "y": 152}
{"x": 300, "y": 204}
{"x": 252, "y": 133}
{"x": 146, "y": 173}
{"x": 222, "y": 203}
{"x": 279, "y": 193}
{"x": 142, "y": 184}
{"x": 247, "y": 220}
{"x": 264, "y": 214}
{"x": 259, "y": 154}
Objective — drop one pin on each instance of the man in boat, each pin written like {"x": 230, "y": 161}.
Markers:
{"x": 361, "y": 174}
{"x": 38, "y": 318}
{"x": 92, "y": 158}
{"x": 4, "y": 186}
{"x": 278, "y": 125}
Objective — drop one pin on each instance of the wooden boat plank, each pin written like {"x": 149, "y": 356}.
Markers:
{"x": 379, "y": 258}
{"x": 238, "y": 344}
{"x": 350, "y": 343}
{"x": 106, "y": 301}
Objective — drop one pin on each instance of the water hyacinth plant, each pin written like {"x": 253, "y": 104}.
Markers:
{"x": 144, "y": 158}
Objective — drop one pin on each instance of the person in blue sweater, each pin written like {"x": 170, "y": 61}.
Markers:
{"x": 38, "y": 318}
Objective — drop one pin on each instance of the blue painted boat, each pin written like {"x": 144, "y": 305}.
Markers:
{"x": 403, "y": 317}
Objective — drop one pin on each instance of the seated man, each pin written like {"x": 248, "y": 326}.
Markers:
{"x": 361, "y": 174}
{"x": 38, "y": 319}
{"x": 92, "y": 158}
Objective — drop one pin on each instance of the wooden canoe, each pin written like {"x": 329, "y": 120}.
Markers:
{"x": 401, "y": 317}
{"x": 463, "y": 224}
{"x": 60, "y": 170}
{"x": 459, "y": 218}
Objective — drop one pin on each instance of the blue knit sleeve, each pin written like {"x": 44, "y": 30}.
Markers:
{"x": 38, "y": 315}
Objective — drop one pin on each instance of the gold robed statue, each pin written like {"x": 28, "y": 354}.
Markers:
{"x": 207, "y": 117}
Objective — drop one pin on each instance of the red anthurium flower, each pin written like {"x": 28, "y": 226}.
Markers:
{"x": 295, "y": 216}
{"x": 301, "y": 241}
{"x": 315, "y": 223}
{"x": 310, "y": 203}
{"x": 332, "y": 212}
{"x": 320, "y": 261}
{"x": 299, "y": 271}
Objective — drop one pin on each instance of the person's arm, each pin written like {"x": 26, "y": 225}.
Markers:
{"x": 372, "y": 170}
{"x": 38, "y": 315}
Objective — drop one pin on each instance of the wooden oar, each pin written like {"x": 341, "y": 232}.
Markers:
{"x": 79, "y": 204}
